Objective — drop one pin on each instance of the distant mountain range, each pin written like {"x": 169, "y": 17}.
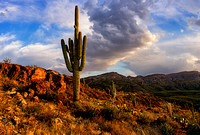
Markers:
{"x": 187, "y": 80}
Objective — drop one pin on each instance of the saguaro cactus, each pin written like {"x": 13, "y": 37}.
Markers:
{"x": 77, "y": 54}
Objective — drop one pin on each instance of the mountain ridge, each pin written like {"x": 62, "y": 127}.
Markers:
{"x": 154, "y": 82}
{"x": 179, "y": 75}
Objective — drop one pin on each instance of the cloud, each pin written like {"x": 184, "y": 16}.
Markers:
{"x": 117, "y": 31}
{"x": 6, "y": 37}
{"x": 152, "y": 60}
{"x": 166, "y": 57}
{"x": 193, "y": 22}
{"x": 19, "y": 11}
{"x": 176, "y": 11}
{"x": 165, "y": 8}
{"x": 61, "y": 14}
{"x": 54, "y": 12}
{"x": 181, "y": 30}
{"x": 45, "y": 55}
{"x": 191, "y": 6}
{"x": 48, "y": 56}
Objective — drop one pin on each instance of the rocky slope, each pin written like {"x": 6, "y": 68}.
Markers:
{"x": 38, "y": 82}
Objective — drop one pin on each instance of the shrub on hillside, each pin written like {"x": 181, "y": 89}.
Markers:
{"x": 7, "y": 60}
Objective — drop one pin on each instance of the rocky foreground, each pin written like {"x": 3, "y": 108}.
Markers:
{"x": 39, "y": 101}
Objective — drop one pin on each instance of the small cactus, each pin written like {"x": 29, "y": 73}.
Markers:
{"x": 113, "y": 91}
{"x": 133, "y": 98}
{"x": 77, "y": 53}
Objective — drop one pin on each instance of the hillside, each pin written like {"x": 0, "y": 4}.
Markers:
{"x": 39, "y": 101}
{"x": 182, "y": 88}
{"x": 188, "y": 80}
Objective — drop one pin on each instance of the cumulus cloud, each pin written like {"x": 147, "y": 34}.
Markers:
{"x": 152, "y": 60}
{"x": 44, "y": 55}
{"x": 54, "y": 12}
{"x": 166, "y": 8}
{"x": 116, "y": 31}
{"x": 166, "y": 57}
{"x": 6, "y": 37}
{"x": 21, "y": 10}
{"x": 61, "y": 12}
{"x": 191, "y": 6}
{"x": 178, "y": 11}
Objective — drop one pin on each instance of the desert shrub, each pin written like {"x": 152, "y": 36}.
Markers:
{"x": 193, "y": 129}
{"x": 144, "y": 118}
{"x": 84, "y": 111}
{"x": 8, "y": 84}
{"x": 40, "y": 111}
{"x": 115, "y": 128}
{"x": 7, "y": 60}
{"x": 46, "y": 116}
{"x": 34, "y": 66}
{"x": 33, "y": 108}
{"x": 166, "y": 129}
{"x": 109, "y": 112}
{"x": 57, "y": 97}
{"x": 125, "y": 115}
{"x": 132, "y": 97}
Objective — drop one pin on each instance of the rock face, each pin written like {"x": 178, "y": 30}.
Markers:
{"x": 35, "y": 81}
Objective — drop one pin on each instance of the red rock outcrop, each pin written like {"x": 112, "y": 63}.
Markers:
{"x": 37, "y": 79}
{"x": 32, "y": 82}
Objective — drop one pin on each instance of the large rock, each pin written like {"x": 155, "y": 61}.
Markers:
{"x": 38, "y": 80}
{"x": 39, "y": 74}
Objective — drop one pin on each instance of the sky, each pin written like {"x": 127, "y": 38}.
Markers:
{"x": 131, "y": 37}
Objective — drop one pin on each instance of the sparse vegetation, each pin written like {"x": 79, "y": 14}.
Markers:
{"x": 7, "y": 60}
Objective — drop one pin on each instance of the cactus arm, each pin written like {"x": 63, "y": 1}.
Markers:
{"x": 83, "y": 54}
{"x": 64, "y": 49}
{"x": 70, "y": 42}
{"x": 79, "y": 47}
{"x": 72, "y": 53}
{"x": 70, "y": 46}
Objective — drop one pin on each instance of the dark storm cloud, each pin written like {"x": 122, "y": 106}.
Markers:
{"x": 194, "y": 22}
{"x": 197, "y": 22}
{"x": 116, "y": 31}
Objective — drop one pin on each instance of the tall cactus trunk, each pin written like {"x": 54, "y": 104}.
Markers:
{"x": 76, "y": 81}
{"x": 77, "y": 53}
{"x": 76, "y": 85}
